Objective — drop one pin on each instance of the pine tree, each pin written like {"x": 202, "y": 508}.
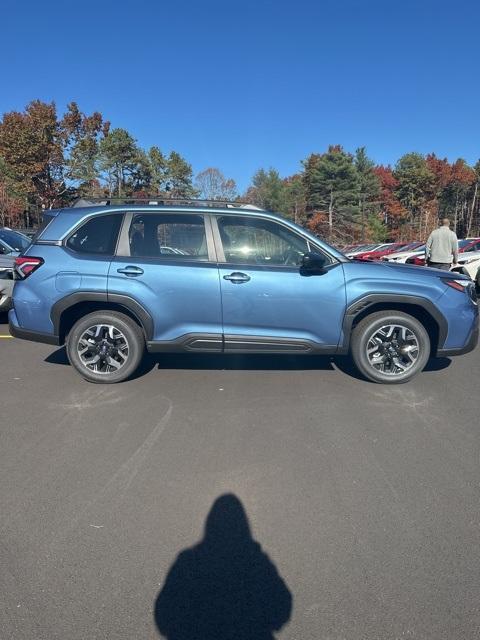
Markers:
{"x": 267, "y": 190}
{"x": 331, "y": 185}
{"x": 368, "y": 186}
{"x": 118, "y": 158}
{"x": 179, "y": 177}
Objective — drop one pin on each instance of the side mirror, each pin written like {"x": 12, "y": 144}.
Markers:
{"x": 313, "y": 262}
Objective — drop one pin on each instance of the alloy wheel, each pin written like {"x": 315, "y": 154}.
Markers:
{"x": 103, "y": 349}
{"x": 393, "y": 349}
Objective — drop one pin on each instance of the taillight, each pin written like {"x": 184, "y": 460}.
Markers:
{"x": 26, "y": 265}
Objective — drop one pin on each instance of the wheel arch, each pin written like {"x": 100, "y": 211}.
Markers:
{"x": 420, "y": 308}
{"x": 68, "y": 310}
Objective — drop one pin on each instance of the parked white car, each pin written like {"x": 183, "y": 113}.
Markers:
{"x": 469, "y": 264}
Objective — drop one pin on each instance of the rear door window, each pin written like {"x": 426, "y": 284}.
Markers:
{"x": 97, "y": 236}
{"x": 168, "y": 236}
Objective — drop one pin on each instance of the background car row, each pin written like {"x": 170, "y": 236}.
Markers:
{"x": 414, "y": 253}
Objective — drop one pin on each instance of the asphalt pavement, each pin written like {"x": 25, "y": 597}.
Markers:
{"x": 124, "y": 508}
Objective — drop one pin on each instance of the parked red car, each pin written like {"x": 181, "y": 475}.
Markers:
{"x": 469, "y": 244}
{"x": 382, "y": 251}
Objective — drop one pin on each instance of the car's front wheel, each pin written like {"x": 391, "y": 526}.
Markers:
{"x": 390, "y": 347}
{"x": 105, "y": 347}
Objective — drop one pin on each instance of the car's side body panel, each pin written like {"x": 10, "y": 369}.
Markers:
{"x": 181, "y": 297}
{"x": 284, "y": 303}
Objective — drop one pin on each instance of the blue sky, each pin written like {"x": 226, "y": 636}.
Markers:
{"x": 254, "y": 83}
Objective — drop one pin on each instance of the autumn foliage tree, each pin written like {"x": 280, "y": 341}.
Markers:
{"x": 47, "y": 160}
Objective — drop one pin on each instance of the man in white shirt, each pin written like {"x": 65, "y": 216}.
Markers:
{"x": 442, "y": 247}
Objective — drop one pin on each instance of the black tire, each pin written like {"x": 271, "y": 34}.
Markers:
{"x": 125, "y": 337}
{"x": 409, "y": 347}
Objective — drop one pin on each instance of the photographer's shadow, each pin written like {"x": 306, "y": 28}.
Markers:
{"x": 225, "y": 587}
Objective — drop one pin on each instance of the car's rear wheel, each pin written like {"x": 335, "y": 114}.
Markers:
{"x": 390, "y": 347}
{"x": 105, "y": 347}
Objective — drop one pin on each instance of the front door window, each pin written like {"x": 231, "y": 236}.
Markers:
{"x": 258, "y": 241}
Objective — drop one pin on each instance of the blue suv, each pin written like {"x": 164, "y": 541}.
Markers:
{"x": 112, "y": 281}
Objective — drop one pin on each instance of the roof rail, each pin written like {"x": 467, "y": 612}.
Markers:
{"x": 163, "y": 201}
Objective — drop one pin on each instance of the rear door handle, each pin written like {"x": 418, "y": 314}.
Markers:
{"x": 237, "y": 277}
{"x": 131, "y": 271}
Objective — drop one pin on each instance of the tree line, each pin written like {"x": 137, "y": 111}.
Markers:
{"x": 47, "y": 161}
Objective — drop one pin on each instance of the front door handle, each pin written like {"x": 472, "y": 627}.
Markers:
{"x": 131, "y": 271}
{"x": 237, "y": 277}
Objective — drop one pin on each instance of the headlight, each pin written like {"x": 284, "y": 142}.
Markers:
{"x": 464, "y": 286}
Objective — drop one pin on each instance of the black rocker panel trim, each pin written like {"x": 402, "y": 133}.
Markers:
{"x": 215, "y": 343}
{"x": 261, "y": 344}
{"x": 205, "y": 342}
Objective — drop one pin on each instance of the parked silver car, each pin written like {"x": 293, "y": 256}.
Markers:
{"x": 6, "y": 282}
{"x": 12, "y": 243}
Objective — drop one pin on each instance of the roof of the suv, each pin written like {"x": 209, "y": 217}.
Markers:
{"x": 113, "y": 208}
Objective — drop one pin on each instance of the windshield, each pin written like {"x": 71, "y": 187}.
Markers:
{"x": 463, "y": 243}
{"x": 17, "y": 241}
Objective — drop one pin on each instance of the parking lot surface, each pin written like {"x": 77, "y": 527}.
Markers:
{"x": 364, "y": 498}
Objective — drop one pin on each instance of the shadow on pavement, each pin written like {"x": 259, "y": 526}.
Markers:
{"x": 437, "y": 364}
{"x": 209, "y": 361}
{"x": 251, "y": 362}
{"x": 225, "y": 587}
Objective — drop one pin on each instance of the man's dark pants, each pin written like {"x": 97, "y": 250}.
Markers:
{"x": 445, "y": 266}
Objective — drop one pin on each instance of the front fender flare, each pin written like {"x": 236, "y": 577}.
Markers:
{"x": 369, "y": 300}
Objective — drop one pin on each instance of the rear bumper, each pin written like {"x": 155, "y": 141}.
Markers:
{"x": 27, "y": 334}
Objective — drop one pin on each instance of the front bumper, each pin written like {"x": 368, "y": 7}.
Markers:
{"x": 469, "y": 345}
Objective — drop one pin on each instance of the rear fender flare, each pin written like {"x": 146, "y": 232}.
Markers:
{"x": 62, "y": 305}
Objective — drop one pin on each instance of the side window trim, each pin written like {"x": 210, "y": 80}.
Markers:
{"x": 123, "y": 246}
{"x": 217, "y": 239}
{"x": 211, "y": 248}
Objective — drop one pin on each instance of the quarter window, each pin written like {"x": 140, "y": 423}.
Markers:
{"x": 169, "y": 236}
{"x": 260, "y": 241}
{"x": 97, "y": 236}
